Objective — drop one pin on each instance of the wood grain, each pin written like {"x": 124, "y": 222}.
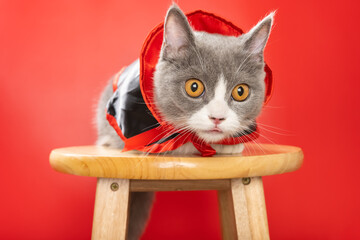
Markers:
{"x": 257, "y": 160}
{"x": 111, "y": 210}
{"x": 227, "y": 215}
{"x": 178, "y": 185}
{"x": 250, "y": 209}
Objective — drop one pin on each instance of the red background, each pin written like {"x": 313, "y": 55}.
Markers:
{"x": 56, "y": 56}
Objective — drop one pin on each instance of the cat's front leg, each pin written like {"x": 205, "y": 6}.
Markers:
{"x": 189, "y": 149}
{"x": 186, "y": 149}
{"x": 228, "y": 149}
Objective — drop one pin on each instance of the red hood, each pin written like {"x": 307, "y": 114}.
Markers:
{"x": 200, "y": 21}
{"x": 156, "y": 138}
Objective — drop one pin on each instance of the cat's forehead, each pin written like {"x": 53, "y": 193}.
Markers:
{"x": 222, "y": 47}
{"x": 222, "y": 56}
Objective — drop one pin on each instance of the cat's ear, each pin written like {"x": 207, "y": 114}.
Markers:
{"x": 178, "y": 35}
{"x": 256, "y": 38}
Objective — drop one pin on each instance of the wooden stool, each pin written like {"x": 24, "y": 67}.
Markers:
{"x": 236, "y": 177}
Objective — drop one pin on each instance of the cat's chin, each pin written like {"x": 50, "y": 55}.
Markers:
{"x": 211, "y": 136}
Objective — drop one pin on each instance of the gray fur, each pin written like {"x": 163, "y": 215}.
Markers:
{"x": 205, "y": 57}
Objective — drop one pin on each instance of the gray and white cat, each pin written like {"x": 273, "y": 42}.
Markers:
{"x": 209, "y": 84}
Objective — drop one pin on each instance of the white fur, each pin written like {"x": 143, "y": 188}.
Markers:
{"x": 228, "y": 149}
{"x": 217, "y": 108}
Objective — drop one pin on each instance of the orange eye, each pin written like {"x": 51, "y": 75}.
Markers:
{"x": 240, "y": 92}
{"x": 194, "y": 88}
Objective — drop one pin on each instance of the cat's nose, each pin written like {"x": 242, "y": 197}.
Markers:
{"x": 216, "y": 120}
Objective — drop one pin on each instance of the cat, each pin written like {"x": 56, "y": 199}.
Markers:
{"x": 208, "y": 84}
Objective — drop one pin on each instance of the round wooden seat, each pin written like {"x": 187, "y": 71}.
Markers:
{"x": 256, "y": 160}
{"x": 237, "y": 178}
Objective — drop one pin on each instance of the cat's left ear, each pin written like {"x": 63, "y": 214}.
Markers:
{"x": 178, "y": 35}
{"x": 256, "y": 38}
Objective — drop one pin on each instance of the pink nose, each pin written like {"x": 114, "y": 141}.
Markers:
{"x": 216, "y": 120}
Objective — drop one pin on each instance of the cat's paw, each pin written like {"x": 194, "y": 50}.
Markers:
{"x": 186, "y": 149}
{"x": 228, "y": 149}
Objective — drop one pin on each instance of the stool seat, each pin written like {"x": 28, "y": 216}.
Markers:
{"x": 256, "y": 160}
{"x": 237, "y": 179}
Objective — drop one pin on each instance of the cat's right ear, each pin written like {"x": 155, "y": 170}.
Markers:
{"x": 178, "y": 35}
{"x": 257, "y": 37}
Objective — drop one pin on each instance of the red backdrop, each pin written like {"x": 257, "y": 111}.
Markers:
{"x": 56, "y": 56}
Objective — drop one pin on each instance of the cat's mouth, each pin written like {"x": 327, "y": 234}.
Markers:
{"x": 215, "y": 130}
{"x": 211, "y": 135}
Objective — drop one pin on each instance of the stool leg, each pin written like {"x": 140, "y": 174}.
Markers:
{"x": 111, "y": 209}
{"x": 227, "y": 215}
{"x": 250, "y": 209}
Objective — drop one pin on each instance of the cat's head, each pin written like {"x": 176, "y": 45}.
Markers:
{"x": 209, "y": 84}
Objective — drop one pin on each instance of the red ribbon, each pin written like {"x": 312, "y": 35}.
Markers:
{"x": 147, "y": 141}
